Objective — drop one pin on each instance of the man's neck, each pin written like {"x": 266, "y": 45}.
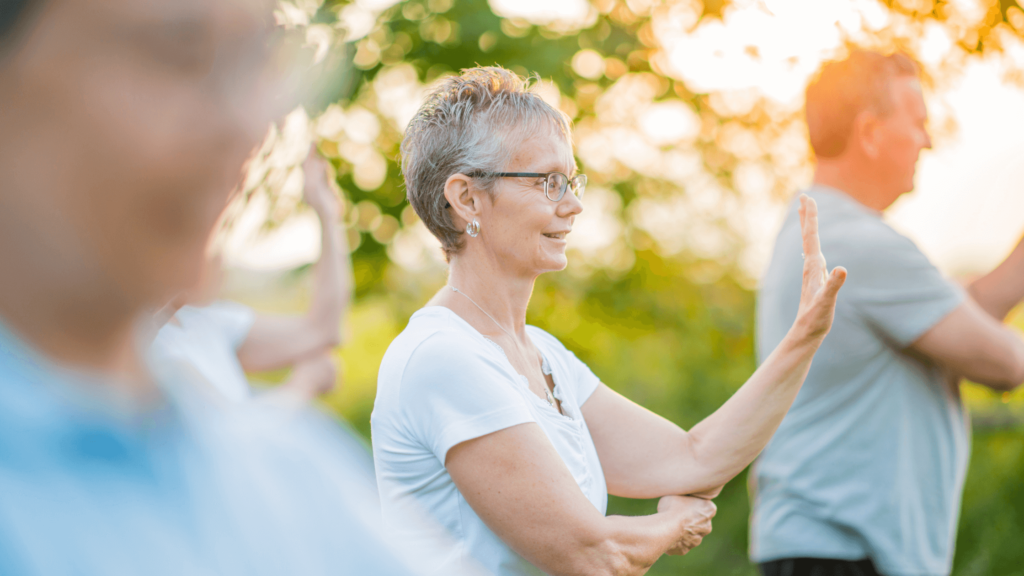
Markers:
{"x": 52, "y": 299}
{"x": 91, "y": 336}
{"x": 855, "y": 183}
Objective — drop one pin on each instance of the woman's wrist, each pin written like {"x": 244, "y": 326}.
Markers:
{"x": 327, "y": 214}
{"x": 800, "y": 341}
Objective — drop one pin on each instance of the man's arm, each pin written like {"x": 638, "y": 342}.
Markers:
{"x": 1002, "y": 289}
{"x": 972, "y": 341}
{"x": 280, "y": 341}
{"x": 972, "y": 344}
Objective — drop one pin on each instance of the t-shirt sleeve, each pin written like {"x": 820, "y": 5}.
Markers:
{"x": 453, "y": 389}
{"x": 232, "y": 319}
{"x": 586, "y": 380}
{"x": 898, "y": 290}
{"x": 582, "y": 378}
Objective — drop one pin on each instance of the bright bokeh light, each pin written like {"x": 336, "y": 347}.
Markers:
{"x": 588, "y": 64}
{"x": 808, "y": 12}
{"x": 569, "y": 13}
{"x": 669, "y": 122}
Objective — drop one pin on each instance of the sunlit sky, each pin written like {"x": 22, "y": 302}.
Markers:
{"x": 968, "y": 209}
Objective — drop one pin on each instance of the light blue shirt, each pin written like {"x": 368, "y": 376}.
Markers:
{"x": 871, "y": 459}
{"x": 90, "y": 486}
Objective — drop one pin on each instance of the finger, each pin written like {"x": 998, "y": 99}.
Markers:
{"x": 809, "y": 227}
{"x": 708, "y": 510}
{"x": 705, "y": 528}
{"x": 835, "y": 281}
{"x": 802, "y": 211}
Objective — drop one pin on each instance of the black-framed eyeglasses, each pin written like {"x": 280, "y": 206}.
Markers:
{"x": 555, "y": 183}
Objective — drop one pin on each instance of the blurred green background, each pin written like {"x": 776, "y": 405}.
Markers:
{"x": 658, "y": 298}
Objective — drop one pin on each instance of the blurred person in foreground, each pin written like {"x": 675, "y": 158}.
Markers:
{"x": 493, "y": 427}
{"x": 865, "y": 474}
{"x": 223, "y": 340}
{"x": 124, "y": 124}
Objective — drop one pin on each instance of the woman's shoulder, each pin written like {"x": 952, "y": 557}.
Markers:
{"x": 435, "y": 339}
{"x": 543, "y": 338}
{"x": 434, "y": 329}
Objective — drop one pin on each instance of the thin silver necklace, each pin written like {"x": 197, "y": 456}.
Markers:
{"x": 547, "y": 392}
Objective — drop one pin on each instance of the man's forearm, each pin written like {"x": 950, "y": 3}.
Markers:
{"x": 1002, "y": 289}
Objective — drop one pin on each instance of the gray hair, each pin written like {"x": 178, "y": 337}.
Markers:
{"x": 474, "y": 122}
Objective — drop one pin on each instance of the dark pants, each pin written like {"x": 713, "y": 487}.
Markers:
{"x": 817, "y": 567}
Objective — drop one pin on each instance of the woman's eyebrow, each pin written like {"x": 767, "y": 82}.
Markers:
{"x": 558, "y": 168}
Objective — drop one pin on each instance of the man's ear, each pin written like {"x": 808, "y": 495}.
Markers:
{"x": 460, "y": 196}
{"x": 866, "y": 133}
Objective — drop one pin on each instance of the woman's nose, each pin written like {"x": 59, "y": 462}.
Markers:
{"x": 570, "y": 205}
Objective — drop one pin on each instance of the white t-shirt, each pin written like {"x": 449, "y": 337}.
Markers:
{"x": 441, "y": 383}
{"x": 207, "y": 338}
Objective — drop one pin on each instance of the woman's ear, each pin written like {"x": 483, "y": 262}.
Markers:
{"x": 462, "y": 199}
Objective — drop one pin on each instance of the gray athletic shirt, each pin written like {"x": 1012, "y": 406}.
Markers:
{"x": 870, "y": 461}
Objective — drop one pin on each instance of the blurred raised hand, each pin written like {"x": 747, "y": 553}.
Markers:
{"x": 318, "y": 192}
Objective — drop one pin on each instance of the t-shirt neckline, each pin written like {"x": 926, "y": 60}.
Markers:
{"x": 556, "y": 392}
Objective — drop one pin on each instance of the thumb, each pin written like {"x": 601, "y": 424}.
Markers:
{"x": 835, "y": 281}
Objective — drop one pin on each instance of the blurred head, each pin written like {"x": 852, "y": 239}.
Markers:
{"x": 474, "y": 125}
{"x": 124, "y": 125}
{"x": 868, "y": 111}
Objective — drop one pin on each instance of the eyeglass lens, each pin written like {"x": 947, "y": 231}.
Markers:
{"x": 558, "y": 182}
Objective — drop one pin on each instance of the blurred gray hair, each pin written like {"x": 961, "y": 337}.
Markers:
{"x": 473, "y": 122}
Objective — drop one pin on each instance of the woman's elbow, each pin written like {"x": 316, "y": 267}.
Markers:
{"x": 331, "y": 338}
{"x": 325, "y": 335}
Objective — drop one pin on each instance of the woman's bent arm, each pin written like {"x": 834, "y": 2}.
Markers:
{"x": 645, "y": 456}
{"x": 519, "y": 486}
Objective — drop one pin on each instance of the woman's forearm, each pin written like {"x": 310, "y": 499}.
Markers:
{"x": 634, "y": 543}
{"x": 332, "y": 283}
{"x": 519, "y": 486}
{"x": 621, "y": 546}
{"x": 724, "y": 443}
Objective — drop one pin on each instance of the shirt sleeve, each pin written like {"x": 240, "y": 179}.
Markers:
{"x": 582, "y": 378}
{"x": 232, "y": 319}
{"x": 454, "y": 389}
{"x": 586, "y": 380}
{"x": 898, "y": 290}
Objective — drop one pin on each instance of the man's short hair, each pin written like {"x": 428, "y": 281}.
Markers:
{"x": 845, "y": 88}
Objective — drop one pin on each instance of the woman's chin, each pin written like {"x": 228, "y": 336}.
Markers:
{"x": 554, "y": 263}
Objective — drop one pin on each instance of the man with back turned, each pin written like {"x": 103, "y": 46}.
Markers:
{"x": 865, "y": 474}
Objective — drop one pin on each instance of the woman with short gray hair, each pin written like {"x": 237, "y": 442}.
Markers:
{"x": 492, "y": 426}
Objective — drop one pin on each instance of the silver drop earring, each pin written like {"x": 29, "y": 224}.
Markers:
{"x": 473, "y": 228}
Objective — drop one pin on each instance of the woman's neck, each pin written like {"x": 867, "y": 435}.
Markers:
{"x": 502, "y": 296}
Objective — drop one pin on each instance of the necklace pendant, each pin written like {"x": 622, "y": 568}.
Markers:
{"x": 548, "y": 396}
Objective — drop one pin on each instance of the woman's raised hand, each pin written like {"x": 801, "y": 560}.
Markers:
{"x": 820, "y": 288}
{"x": 695, "y": 516}
{"x": 317, "y": 191}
